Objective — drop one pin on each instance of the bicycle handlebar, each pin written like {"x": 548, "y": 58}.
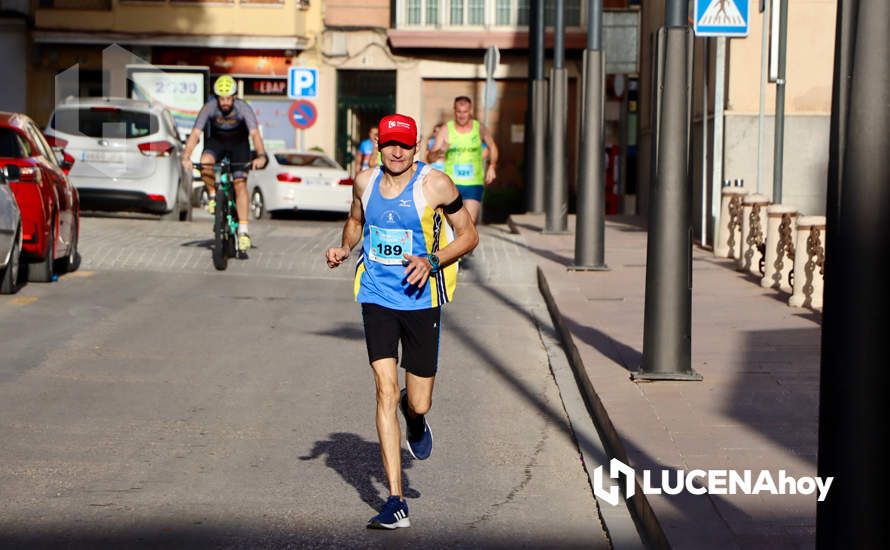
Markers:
{"x": 222, "y": 163}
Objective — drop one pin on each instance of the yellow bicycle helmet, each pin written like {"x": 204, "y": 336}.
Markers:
{"x": 225, "y": 86}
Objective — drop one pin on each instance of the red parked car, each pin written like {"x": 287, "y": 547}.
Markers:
{"x": 48, "y": 202}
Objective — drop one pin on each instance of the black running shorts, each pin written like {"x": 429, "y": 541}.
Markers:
{"x": 417, "y": 330}
{"x": 237, "y": 151}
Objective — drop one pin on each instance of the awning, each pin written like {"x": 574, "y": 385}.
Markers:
{"x": 237, "y": 42}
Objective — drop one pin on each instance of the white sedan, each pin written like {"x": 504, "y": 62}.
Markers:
{"x": 295, "y": 180}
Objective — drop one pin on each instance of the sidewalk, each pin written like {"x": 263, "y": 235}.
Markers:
{"x": 756, "y": 409}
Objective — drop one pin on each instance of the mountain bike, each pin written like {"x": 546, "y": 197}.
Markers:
{"x": 225, "y": 217}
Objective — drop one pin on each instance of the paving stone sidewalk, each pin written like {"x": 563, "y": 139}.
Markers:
{"x": 756, "y": 409}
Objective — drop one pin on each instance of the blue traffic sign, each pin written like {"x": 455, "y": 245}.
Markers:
{"x": 721, "y": 18}
{"x": 302, "y": 82}
{"x": 302, "y": 114}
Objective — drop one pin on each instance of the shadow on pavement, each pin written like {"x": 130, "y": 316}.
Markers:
{"x": 302, "y": 533}
{"x": 621, "y": 354}
{"x": 776, "y": 393}
{"x": 690, "y": 510}
{"x": 345, "y": 331}
{"x": 548, "y": 254}
{"x": 358, "y": 462}
{"x": 201, "y": 243}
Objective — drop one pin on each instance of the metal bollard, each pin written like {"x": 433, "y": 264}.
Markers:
{"x": 729, "y": 230}
{"x": 779, "y": 254}
{"x": 753, "y": 233}
{"x": 809, "y": 263}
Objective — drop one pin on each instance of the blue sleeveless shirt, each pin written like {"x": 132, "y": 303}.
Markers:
{"x": 405, "y": 224}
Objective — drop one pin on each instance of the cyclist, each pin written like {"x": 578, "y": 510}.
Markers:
{"x": 228, "y": 124}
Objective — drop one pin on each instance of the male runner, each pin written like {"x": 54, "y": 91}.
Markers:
{"x": 367, "y": 152}
{"x": 460, "y": 142}
{"x": 227, "y": 123}
{"x": 404, "y": 213}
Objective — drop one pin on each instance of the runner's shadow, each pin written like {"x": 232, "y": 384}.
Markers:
{"x": 345, "y": 331}
{"x": 358, "y": 463}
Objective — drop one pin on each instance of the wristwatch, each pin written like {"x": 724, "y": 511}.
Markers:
{"x": 434, "y": 262}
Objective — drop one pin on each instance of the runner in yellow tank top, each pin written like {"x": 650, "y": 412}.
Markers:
{"x": 460, "y": 143}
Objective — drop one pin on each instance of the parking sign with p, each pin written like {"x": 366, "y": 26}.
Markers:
{"x": 302, "y": 82}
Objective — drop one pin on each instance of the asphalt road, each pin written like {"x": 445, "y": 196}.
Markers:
{"x": 148, "y": 400}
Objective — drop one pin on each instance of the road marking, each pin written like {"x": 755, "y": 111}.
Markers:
{"x": 81, "y": 274}
{"x": 23, "y": 300}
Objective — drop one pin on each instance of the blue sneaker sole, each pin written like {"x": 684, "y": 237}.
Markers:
{"x": 410, "y": 450}
{"x": 404, "y": 522}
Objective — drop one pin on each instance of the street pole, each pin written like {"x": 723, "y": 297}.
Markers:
{"x": 853, "y": 408}
{"x": 706, "y": 57}
{"x": 779, "y": 145}
{"x": 667, "y": 325}
{"x": 528, "y": 147}
{"x": 717, "y": 152}
{"x": 590, "y": 221}
{"x": 764, "y": 62}
{"x": 537, "y": 169}
{"x": 557, "y": 192}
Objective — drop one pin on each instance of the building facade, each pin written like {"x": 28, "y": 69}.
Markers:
{"x": 416, "y": 56}
{"x": 810, "y": 62}
{"x": 254, "y": 40}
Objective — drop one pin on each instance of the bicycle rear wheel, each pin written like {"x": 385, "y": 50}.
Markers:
{"x": 221, "y": 234}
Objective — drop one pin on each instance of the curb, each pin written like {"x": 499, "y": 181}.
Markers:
{"x": 639, "y": 506}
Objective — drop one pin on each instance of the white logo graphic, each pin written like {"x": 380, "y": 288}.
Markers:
{"x": 391, "y": 217}
{"x": 700, "y": 482}
{"x": 616, "y": 468}
{"x": 399, "y": 123}
{"x": 722, "y": 13}
{"x": 405, "y": 202}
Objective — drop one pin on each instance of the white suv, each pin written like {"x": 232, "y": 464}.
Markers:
{"x": 127, "y": 155}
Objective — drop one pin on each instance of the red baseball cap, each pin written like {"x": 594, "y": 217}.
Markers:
{"x": 399, "y": 128}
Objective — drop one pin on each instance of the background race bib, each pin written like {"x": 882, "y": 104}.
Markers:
{"x": 463, "y": 170}
{"x": 388, "y": 246}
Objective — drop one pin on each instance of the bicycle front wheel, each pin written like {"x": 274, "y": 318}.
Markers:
{"x": 221, "y": 233}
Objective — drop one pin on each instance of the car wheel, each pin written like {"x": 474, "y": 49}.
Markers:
{"x": 42, "y": 271}
{"x": 185, "y": 215}
{"x": 172, "y": 215}
{"x": 9, "y": 277}
{"x": 258, "y": 205}
{"x": 71, "y": 262}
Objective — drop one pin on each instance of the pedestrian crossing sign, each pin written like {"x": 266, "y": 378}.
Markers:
{"x": 721, "y": 18}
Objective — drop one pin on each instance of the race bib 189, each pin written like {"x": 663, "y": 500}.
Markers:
{"x": 388, "y": 246}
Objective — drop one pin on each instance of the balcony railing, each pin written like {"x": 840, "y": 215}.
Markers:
{"x": 477, "y": 14}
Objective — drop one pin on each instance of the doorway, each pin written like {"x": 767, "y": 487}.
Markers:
{"x": 363, "y": 98}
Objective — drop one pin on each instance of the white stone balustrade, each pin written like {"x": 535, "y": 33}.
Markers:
{"x": 779, "y": 253}
{"x": 729, "y": 229}
{"x": 809, "y": 263}
{"x": 753, "y": 234}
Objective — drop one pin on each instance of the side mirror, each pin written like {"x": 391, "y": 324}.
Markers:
{"x": 12, "y": 172}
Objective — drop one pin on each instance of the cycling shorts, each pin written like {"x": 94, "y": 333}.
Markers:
{"x": 237, "y": 151}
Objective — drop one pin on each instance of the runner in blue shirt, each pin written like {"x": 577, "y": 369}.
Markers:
{"x": 367, "y": 152}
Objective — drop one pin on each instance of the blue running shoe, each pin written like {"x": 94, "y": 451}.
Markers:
{"x": 419, "y": 445}
{"x": 393, "y": 515}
